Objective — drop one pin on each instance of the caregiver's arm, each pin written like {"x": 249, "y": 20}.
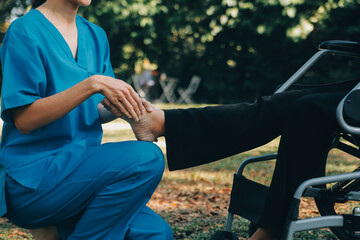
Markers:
{"x": 47, "y": 110}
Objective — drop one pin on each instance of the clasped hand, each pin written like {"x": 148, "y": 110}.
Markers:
{"x": 122, "y": 100}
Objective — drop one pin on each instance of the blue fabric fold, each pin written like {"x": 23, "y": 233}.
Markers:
{"x": 2, "y": 191}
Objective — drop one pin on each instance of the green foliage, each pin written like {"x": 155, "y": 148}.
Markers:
{"x": 8, "y": 8}
{"x": 241, "y": 48}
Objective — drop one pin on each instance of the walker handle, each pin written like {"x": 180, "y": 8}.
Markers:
{"x": 334, "y": 47}
{"x": 348, "y": 99}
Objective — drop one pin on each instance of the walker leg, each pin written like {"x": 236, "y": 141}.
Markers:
{"x": 229, "y": 222}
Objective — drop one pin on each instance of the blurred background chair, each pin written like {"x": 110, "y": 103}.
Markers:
{"x": 168, "y": 85}
{"x": 142, "y": 91}
{"x": 186, "y": 94}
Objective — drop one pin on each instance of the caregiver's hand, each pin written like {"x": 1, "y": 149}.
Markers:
{"x": 121, "y": 95}
{"x": 117, "y": 112}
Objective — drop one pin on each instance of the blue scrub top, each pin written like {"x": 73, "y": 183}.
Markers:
{"x": 36, "y": 63}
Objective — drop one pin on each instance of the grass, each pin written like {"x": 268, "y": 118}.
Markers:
{"x": 195, "y": 201}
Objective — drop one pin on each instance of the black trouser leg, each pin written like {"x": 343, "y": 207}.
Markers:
{"x": 307, "y": 135}
{"x": 305, "y": 118}
{"x": 202, "y": 135}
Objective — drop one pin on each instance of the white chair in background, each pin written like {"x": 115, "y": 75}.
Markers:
{"x": 186, "y": 94}
{"x": 168, "y": 85}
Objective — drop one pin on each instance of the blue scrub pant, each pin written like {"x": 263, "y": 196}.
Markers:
{"x": 103, "y": 196}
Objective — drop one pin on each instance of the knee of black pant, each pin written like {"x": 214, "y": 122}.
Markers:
{"x": 304, "y": 108}
{"x": 320, "y": 105}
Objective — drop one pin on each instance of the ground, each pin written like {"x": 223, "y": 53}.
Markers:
{"x": 195, "y": 201}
